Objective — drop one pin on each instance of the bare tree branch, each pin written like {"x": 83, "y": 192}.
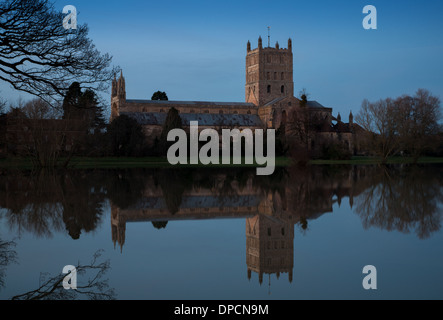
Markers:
{"x": 95, "y": 288}
{"x": 40, "y": 57}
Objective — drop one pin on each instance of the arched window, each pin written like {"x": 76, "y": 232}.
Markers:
{"x": 282, "y": 89}
{"x": 268, "y": 75}
{"x": 269, "y": 88}
{"x": 283, "y": 76}
{"x": 275, "y": 75}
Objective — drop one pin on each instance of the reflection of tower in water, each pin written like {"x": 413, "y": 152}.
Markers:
{"x": 269, "y": 246}
{"x": 269, "y": 225}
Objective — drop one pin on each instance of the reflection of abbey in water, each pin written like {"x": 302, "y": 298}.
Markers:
{"x": 405, "y": 199}
{"x": 271, "y": 211}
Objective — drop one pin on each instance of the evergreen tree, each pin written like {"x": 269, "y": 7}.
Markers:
{"x": 159, "y": 95}
{"x": 92, "y": 109}
{"x": 173, "y": 121}
{"x": 160, "y": 224}
{"x": 71, "y": 102}
{"x": 80, "y": 105}
{"x": 126, "y": 137}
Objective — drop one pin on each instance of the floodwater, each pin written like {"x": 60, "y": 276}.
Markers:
{"x": 225, "y": 234}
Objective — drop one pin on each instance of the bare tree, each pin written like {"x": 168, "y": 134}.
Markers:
{"x": 299, "y": 132}
{"x": 417, "y": 119}
{"x": 379, "y": 121}
{"x": 408, "y": 123}
{"x": 38, "y": 109}
{"x": 301, "y": 129}
{"x": 39, "y": 56}
{"x": 36, "y": 131}
{"x": 38, "y": 134}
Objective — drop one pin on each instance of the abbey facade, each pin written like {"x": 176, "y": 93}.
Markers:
{"x": 269, "y": 101}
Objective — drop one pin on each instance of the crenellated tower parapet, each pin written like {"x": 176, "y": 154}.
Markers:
{"x": 269, "y": 73}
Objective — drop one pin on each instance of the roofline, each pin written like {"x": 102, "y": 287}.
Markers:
{"x": 320, "y": 108}
{"x": 206, "y": 103}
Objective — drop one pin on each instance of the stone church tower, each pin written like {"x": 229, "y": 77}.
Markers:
{"x": 118, "y": 96}
{"x": 269, "y": 73}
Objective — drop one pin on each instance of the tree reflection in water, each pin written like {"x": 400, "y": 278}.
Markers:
{"x": 45, "y": 202}
{"x": 405, "y": 199}
{"x": 95, "y": 288}
{"x": 394, "y": 198}
{"x": 7, "y": 256}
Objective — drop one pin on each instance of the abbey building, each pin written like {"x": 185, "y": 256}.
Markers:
{"x": 269, "y": 101}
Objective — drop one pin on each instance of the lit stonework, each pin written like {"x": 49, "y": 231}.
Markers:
{"x": 269, "y": 99}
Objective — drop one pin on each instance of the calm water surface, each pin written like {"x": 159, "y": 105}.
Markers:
{"x": 223, "y": 234}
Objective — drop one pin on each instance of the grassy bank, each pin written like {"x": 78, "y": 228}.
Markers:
{"x": 157, "y": 162}
{"x": 123, "y": 163}
{"x": 373, "y": 160}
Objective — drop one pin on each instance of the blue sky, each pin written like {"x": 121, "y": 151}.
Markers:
{"x": 195, "y": 50}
